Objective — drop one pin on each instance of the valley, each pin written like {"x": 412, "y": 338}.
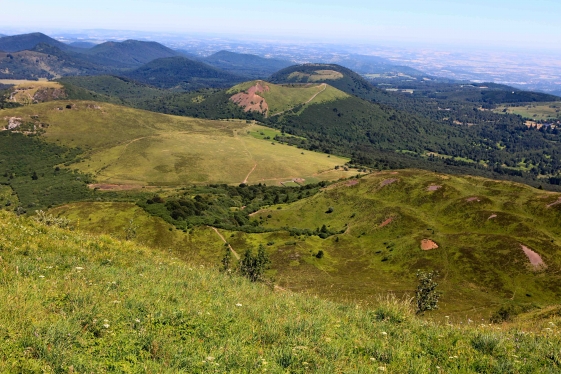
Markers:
{"x": 164, "y": 209}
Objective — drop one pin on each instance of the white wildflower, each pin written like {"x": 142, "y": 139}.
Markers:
{"x": 238, "y": 304}
{"x": 106, "y": 325}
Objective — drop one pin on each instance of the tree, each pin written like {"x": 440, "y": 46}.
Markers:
{"x": 426, "y": 295}
{"x": 253, "y": 266}
{"x": 227, "y": 259}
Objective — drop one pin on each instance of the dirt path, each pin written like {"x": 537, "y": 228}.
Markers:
{"x": 224, "y": 240}
{"x": 324, "y": 87}
{"x": 248, "y": 174}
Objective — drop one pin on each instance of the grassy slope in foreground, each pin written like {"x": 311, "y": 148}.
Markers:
{"x": 81, "y": 303}
{"x": 133, "y": 146}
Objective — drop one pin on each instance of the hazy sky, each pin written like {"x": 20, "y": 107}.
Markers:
{"x": 511, "y": 23}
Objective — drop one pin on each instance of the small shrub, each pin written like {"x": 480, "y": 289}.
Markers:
{"x": 319, "y": 254}
{"x": 426, "y": 294}
{"x": 485, "y": 343}
{"x": 50, "y": 220}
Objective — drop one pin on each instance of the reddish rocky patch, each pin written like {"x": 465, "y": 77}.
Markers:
{"x": 250, "y": 100}
{"x": 387, "y": 182}
{"x": 472, "y": 199}
{"x": 535, "y": 259}
{"x": 386, "y": 222}
{"x": 353, "y": 182}
{"x": 427, "y": 245}
{"x": 492, "y": 216}
{"x": 433, "y": 187}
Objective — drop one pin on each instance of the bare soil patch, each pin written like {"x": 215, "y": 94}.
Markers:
{"x": 386, "y": 222}
{"x": 250, "y": 100}
{"x": 433, "y": 187}
{"x": 114, "y": 187}
{"x": 427, "y": 245}
{"x": 472, "y": 199}
{"x": 387, "y": 182}
{"x": 555, "y": 203}
{"x": 535, "y": 259}
{"x": 353, "y": 182}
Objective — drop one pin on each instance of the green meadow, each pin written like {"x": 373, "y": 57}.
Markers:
{"x": 375, "y": 226}
{"x": 136, "y": 147}
{"x": 534, "y": 111}
{"x": 76, "y": 302}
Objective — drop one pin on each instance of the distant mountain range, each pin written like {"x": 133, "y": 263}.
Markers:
{"x": 247, "y": 65}
{"x": 131, "y": 52}
{"x": 23, "y": 42}
{"x": 84, "y": 45}
{"x": 182, "y": 73}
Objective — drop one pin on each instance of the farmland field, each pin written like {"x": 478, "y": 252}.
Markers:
{"x": 541, "y": 111}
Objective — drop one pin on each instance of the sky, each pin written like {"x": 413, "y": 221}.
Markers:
{"x": 478, "y": 23}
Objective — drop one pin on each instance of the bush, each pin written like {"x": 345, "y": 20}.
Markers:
{"x": 50, "y": 220}
{"x": 426, "y": 295}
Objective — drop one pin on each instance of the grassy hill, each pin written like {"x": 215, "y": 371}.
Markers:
{"x": 272, "y": 100}
{"x": 23, "y": 42}
{"x": 246, "y": 65}
{"x": 137, "y": 147}
{"x": 181, "y": 73}
{"x": 382, "y": 136}
{"x": 335, "y": 75}
{"x": 131, "y": 52}
{"x": 370, "y": 232}
{"x": 46, "y": 61}
{"x": 86, "y": 303}
{"x": 478, "y": 224}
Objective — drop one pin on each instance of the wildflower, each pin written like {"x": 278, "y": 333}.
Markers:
{"x": 384, "y": 333}
{"x": 372, "y": 359}
{"x": 106, "y": 325}
{"x": 137, "y": 320}
{"x": 210, "y": 358}
{"x": 238, "y": 304}
{"x": 41, "y": 276}
{"x": 382, "y": 368}
{"x": 79, "y": 268}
